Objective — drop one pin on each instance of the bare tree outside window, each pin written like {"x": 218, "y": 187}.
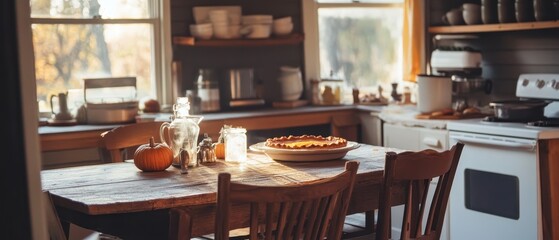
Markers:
{"x": 77, "y": 39}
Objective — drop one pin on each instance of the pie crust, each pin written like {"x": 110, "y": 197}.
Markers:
{"x": 306, "y": 142}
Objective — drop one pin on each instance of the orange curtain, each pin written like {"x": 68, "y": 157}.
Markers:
{"x": 413, "y": 38}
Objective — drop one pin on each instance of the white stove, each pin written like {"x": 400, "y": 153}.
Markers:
{"x": 496, "y": 190}
{"x": 504, "y": 129}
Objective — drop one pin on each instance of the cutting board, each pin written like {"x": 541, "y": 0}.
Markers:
{"x": 290, "y": 104}
{"x": 451, "y": 117}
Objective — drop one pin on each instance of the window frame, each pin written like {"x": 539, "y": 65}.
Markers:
{"x": 310, "y": 26}
{"x": 159, "y": 19}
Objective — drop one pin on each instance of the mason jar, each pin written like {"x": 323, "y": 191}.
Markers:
{"x": 235, "y": 144}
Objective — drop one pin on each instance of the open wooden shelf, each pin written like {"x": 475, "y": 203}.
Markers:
{"x": 500, "y": 27}
{"x": 272, "y": 41}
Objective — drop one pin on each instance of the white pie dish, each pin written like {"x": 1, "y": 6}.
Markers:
{"x": 304, "y": 155}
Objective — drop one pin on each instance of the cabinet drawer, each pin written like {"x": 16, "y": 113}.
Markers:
{"x": 402, "y": 137}
{"x": 435, "y": 139}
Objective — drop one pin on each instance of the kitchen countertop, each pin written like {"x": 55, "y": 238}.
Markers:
{"x": 45, "y": 130}
{"x": 406, "y": 115}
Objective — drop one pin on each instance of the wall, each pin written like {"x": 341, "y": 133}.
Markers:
{"x": 265, "y": 60}
{"x": 506, "y": 55}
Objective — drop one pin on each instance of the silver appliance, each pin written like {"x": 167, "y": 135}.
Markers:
{"x": 497, "y": 189}
{"x": 109, "y": 101}
{"x": 242, "y": 91}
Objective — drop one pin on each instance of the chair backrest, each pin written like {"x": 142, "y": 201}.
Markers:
{"x": 310, "y": 210}
{"x": 129, "y": 136}
{"x": 54, "y": 227}
{"x": 416, "y": 170}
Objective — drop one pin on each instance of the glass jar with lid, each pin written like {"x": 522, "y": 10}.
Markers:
{"x": 235, "y": 144}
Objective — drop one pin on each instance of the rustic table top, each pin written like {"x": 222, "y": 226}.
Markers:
{"x": 122, "y": 188}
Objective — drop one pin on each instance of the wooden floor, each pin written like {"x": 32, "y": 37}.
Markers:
{"x": 353, "y": 229}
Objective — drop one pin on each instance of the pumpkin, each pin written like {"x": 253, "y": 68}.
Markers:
{"x": 220, "y": 150}
{"x": 153, "y": 156}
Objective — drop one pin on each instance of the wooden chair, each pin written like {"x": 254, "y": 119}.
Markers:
{"x": 128, "y": 137}
{"x": 54, "y": 226}
{"x": 309, "y": 210}
{"x": 416, "y": 169}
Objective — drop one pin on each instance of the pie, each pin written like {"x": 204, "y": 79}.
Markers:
{"x": 306, "y": 142}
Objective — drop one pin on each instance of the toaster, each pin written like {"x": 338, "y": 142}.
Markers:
{"x": 453, "y": 61}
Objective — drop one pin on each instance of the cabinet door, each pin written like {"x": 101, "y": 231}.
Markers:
{"x": 397, "y": 136}
{"x": 371, "y": 128}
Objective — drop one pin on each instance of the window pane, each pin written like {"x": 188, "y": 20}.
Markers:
{"x": 89, "y": 8}
{"x": 66, "y": 54}
{"x": 361, "y": 45}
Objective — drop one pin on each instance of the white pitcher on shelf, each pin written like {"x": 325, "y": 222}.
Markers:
{"x": 291, "y": 82}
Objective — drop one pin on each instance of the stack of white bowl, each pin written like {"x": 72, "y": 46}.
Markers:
{"x": 282, "y": 26}
{"x": 225, "y": 25}
{"x": 257, "y": 26}
{"x": 202, "y": 31}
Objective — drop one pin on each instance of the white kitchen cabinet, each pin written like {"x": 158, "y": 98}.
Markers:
{"x": 371, "y": 128}
{"x": 416, "y": 139}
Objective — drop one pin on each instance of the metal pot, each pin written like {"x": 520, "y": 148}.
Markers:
{"x": 465, "y": 85}
{"x": 519, "y": 110}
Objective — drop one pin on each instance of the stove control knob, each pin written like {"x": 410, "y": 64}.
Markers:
{"x": 555, "y": 84}
{"x": 525, "y": 82}
{"x": 540, "y": 83}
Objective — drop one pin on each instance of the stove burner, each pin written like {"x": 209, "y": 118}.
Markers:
{"x": 503, "y": 120}
{"x": 544, "y": 123}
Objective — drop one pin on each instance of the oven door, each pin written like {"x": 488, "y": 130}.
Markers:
{"x": 495, "y": 193}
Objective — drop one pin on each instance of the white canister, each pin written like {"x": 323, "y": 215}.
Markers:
{"x": 291, "y": 82}
{"x": 434, "y": 93}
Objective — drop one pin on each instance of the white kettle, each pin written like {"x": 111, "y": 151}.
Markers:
{"x": 291, "y": 82}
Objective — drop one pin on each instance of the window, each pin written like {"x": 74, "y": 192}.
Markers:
{"x": 78, "y": 39}
{"x": 358, "y": 41}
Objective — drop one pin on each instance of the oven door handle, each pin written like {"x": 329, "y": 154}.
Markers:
{"x": 529, "y": 145}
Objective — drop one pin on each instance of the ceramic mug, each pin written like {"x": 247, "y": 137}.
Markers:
{"x": 543, "y": 10}
{"x": 471, "y": 13}
{"x": 453, "y": 17}
{"x": 524, "y": 10}
{"x": 489, "y": 11}
{"x": 505, "y": 11}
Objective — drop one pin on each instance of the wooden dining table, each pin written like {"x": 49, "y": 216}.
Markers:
{"x": 121, "y": 200}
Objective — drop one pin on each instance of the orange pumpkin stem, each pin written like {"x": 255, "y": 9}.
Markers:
{"x": 151, "y": 142}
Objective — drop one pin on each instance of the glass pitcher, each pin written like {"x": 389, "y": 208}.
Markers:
{"x": 182, "y": 132}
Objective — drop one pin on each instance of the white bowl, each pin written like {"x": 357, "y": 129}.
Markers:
{"x": 218, "y": 16}
{"x": 201, "y": 27}
{"x": 257, "y": 30}
{"x": 283, "y": 20}
{"x": 257, "y": 19}
{"x": 203, "y": 34}
{"x": 234, "y": 19}
{"x": 283, "y": 29}
{"x": 221, "y": 31}
{"x": 234, "y": 31}
{"x": 201, "y": 31}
